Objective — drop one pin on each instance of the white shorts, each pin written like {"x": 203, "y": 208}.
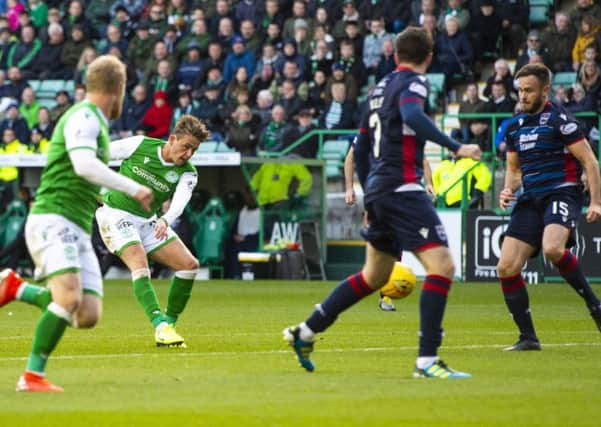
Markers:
{"x": 120, "y": 229}
{"x": 58, "y": 245}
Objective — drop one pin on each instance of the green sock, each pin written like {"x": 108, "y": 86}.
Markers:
{"x": 48, "y": 333}
{"x": 147, "y": 298}
{"x": 35, "y": 295}
{"x": 179, "y": 294}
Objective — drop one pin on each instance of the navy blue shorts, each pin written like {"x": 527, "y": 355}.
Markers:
{"x": 403, "y": 221}
{"x": 530, "y": 216}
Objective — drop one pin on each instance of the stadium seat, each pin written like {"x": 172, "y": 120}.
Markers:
{"x": 34, "y": 84}
{"x": 564, "y": 79}
{"x": 208, "y": 147}
{"x": 12, "y": 221}
{"x": 48, "y": 88}
{"x": 437, "y": 82}
{"x": 539, "y": 13}
{"x": 210, "y": 235}
{"x": 222, "y": 147}
{"x": 47, "y": 102}
{"x": 69, "y": 86}
{"x": 334, "y": 152}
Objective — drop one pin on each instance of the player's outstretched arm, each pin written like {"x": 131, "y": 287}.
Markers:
{"x": 584, "y": 154}
{"x": 123, "y": 148}
{"x": 513, "y": 180}
{"x": 349, "y": 171}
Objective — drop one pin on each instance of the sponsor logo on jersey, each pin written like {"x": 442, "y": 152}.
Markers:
{"x": 441, "y": 232}
{"x": 527, "y": 146}
{"x": 156, "y": 183}
{"x": 419, "y": 89}
{"x": 568, "y": 128}
{"x": 528, "y": 137}
{"x": 172, "y": 177}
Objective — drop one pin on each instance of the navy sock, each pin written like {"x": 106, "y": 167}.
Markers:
{"x": 432, "y": 304}
{"x": 569, "y": 268}
{"x": 351, "y": 290}
{"x": 518, "y": 303}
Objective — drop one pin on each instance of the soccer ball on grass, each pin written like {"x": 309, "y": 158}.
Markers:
{"x": 401, "y": 282}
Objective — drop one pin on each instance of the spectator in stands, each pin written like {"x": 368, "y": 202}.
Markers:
{"x": 209, "y": 107}
{"x": 54, "y": 17}
{"x": 272, "y": 184}
{"x": 499, "y": 102}
{"x": 8, "y": 174}
{"x": 215, "y": 79}
{"x": 185, "y": 105}
{"x": 98, "y": 13}
{"x": 225, "y": 34}
{"x": 558, "y": 41}
{"x": 450, "y": 171}
{"x": 39, "y": 12}
{"x": 349, "y": 14}
{"x": 515, "y": 14}
{"x": 582, "y": 102}
{"x": 561, "y": 95}
{"x": 290, "y": 54}
{"x": 352, "y": 64}
{"x": 533, "y": 47}
{"x": 430, "y": 26}
{"x": 159, "y": 54}
{"x": 63, "y": 103}
{"x": 265, "y": 80}
{"x": 340, "y": 76}
{"x": 239, "y": 82}
{"x": 299, "y": 11}
{"x": 239, "y": 57}
{"x": 251, "y": 38}
{"x": 13, "y": 8}
{"x": 589, "y": 27}
{"x": 86, "y": 58}
{"x": 190, "y": 68}
{"x": 215, "y": 59}
{"x": 291, "y": 72}
{"x": 340, "y": 112}
{"x": 17, "y": 84}
{"x": 352, "y": 32}
{"x": 133, "y": 111}
{"x": 301, "y": 37}
{"x": 134, "y": 7}
{"x": 6, "y": 43}
{"x": 454, "y": 53}
{"x": 170, "y": 40}
{"x": 39, "y": 144}
{"x": 486, "y": 26}
{"x": 44, "y": 125}
{"x": 123, "y": 21}
{"x": 270, "y": 56}
{"x": 372, "y": 46}
{"x": 272, "y": 15}
{"x": 74, "y": 15}
{"x": 274, "y": 36}
{"x": 326, "y": 12}
{"x": 23, "y": 53}
{"x": 290, "y": 100}
{"x": 163, "y": 81}
{"x": 73, "y": 48}
{"x": 272, "y": 135}
{"x": 47, "y": 64}
{"x": 157, "y": 119}
{"x": 420, "y": 9}
{"x": 317, "y": 93}
{"x": 502, "y": 73}
{"x": 308, "y": 149}
{"x": 387, "y": 63}
{"x": 79, "y": 93}
{"x": 250, "y": 11}
{"x": 244, "y": 236}
{"x": 471, "y": 128}
{"x": 113, "y": 38}
{"x": 198, "y": 37}
{"x": 12, "y": 120}
{"x": 321, "y": 59}
{"x": 140, "y": 47}
{"x": 222, "y": 11}
{"x": 589, "y": 76}
{"x": 243, "y": 133}
{"x": 157, "y": 21}
{"x": 263, "y": 107}
{"x": 585, "y": 8}
{"x": 29, "y": 107}
{"x": 455, "y": 10}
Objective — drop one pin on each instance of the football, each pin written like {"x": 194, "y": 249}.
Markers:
{"x": 401, "y": 282}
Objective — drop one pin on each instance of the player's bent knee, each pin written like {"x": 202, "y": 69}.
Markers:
{"x": 192, "y": 264}
{"x": 140, "y": 273}
{"x": 508, "y": 268}
{"x": 553, "y": 252}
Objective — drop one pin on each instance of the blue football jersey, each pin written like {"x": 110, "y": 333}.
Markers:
{"x": 541, "y": 142}
{"x": 397, "y": 153}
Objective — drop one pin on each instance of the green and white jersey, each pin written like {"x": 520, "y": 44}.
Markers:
{"x": 144, "y": 163}
{"x": 62, "y": 191}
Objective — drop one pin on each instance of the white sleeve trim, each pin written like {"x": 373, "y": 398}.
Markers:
{"x": 81, "y": 130}
{"x": 89, "y": 167}
{"x": 124, "y": 148}
{"x": 181, "y": 196}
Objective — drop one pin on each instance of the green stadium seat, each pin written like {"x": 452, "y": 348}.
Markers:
{"x": 48, "y": 88}
{"x": 334, "y": 152}
{"x": 34, "y": 84}
{"x": 539, "y": 14}
{"x": 564, "y": 79}
{"x": 47, "y": 102}
{"x": 208, "y": 147}
{"x": 437, "y": 83}
{"x": 222, "y": 147}
{"x": 209, "y": 235}
{"x": 69, "y": 86}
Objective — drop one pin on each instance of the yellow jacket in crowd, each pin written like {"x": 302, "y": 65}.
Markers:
{"x": 10, "y": 173}
{"x": 450, "y": 171}
{"x": 272, "y": 180}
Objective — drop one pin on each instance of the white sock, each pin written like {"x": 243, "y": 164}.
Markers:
{"x": 306, "y": 334}
{"x": 20, "y": 290}
{"x": 160, "y": 326}
{"x": 424, "y": 362}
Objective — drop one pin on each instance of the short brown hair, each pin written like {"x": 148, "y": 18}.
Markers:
{"x": 106, "y": 74}
{"x": 413, "y": 45}
{"x": 540, "y": 71}
{"x": 190, "y": 125}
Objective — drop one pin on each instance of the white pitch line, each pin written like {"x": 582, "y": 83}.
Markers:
{"x": 184, "y": 353}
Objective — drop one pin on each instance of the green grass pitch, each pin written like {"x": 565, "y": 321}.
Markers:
{"x": 237, "y": 371}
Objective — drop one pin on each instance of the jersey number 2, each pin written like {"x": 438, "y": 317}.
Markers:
{"x": 376, "y": 125}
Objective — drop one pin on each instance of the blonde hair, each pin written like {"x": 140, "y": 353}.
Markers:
{"x": 106, "y": 74}
{"x": 82, "y": 58}
{"x": 190, "y": 125}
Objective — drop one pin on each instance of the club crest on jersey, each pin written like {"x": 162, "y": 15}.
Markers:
{"x": 440, "y": 231}
{"x": 146, "y": 159}
{"x": 568, "y": 128}
{"x": 172, "y": 177}
{"x": 419, "y": 89}
{"x": 544, "y": 118}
